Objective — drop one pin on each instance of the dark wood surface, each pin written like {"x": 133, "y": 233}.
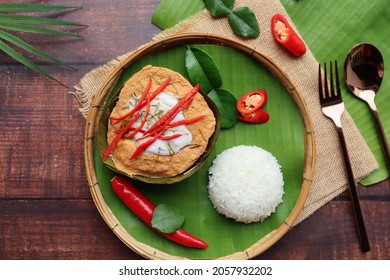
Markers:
{"x": 46, "y": 210}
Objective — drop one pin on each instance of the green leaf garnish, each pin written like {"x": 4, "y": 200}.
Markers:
{"x": 242, "y": 20}
{"x": 201, "y": 68}
{"x": 219, "y": 8}
{"x": 244, "y": 23}
{"x": 226, "y": 104}
{"x": 166, "y": 219}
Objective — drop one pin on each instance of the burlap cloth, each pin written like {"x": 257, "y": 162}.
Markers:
{"x": 329, "y": 178}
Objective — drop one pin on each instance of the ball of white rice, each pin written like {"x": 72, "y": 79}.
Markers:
{"x": 245, "y": 183}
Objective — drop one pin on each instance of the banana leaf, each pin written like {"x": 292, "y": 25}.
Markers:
{"x": 224, "y": 236}
{"x": 330, "y": 36}
{"x": 175, "y": 13}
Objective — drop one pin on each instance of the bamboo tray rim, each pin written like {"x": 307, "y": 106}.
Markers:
{"x": 169, "y": 42}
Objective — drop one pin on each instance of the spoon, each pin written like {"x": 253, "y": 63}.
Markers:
{"x": 363, "y": 73}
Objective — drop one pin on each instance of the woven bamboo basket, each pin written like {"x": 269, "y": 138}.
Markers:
{"x": 95, "y": 112}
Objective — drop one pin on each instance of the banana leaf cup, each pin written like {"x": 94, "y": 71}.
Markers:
{"x": 101, "y": 140}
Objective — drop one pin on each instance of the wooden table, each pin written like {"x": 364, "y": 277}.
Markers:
{"x": 46, "y": 210}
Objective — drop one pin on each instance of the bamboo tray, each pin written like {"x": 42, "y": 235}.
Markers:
{"x": 239, "y": 244}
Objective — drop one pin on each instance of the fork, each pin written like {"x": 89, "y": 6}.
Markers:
{"x": 332, "y": 106}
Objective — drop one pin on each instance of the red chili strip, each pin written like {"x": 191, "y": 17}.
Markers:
{"x": 137, "y": 106}
{"x": 144, "y": 119}
{"x": 144, "y": 95}
{"x": 143, "y": 208}
{"x": 132, "y": 129}
{"x": 118, "y": 137}
{"x": 186, "y": 121}
{"x": 144, "y": 136}
{"x": 140, "y": 104}
{"x": 142, "y": 147}
{"x": 170, "y": 137}
{"x": 170, "y": 125}
{"x": 153, "y": 94}
{"x": 164, "y": 126}
{"x": 174, "y": 111}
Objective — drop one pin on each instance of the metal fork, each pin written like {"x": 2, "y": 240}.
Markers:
{"x": 333, "y": 107}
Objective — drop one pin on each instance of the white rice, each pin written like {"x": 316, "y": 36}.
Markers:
{"x": 246, "y": 183}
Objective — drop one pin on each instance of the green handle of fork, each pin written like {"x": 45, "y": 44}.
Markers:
{"x": 365, "y": 245}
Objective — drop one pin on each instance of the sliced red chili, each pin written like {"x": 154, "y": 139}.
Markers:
{"x": 258, "y": 116}
{"x": 142, "y": 102}
{"x": 252, "y": 101}
{"x": 164, "y": 121}
{"x": 143, "y": 208}
{"x": 137, "y": 107}
{"x": 286, "y": 35}
{"x": 186, "y": 121}
{"x": 142, "y": 147}
{"x": 158, "y": 128}
{"x": 119, "y": 136}
{"x": 144, "y": 119}
{"x": 170, "y": 137}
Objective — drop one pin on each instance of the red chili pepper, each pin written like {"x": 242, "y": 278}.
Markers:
{"x": 286, "y": 35}
{"x": 252, "y": 101}
{"x": 143, "y": 208}
{"x": 258, "y": 116}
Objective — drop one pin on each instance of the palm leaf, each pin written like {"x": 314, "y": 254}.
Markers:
{"x": 15, "y": 55}
{"x": 34, "y": 29}
{"x": 9, "y": 7}
{"x": 22, "y": 44}
{"x": 36, "y": 20}
{"x": 30, "y": 24}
